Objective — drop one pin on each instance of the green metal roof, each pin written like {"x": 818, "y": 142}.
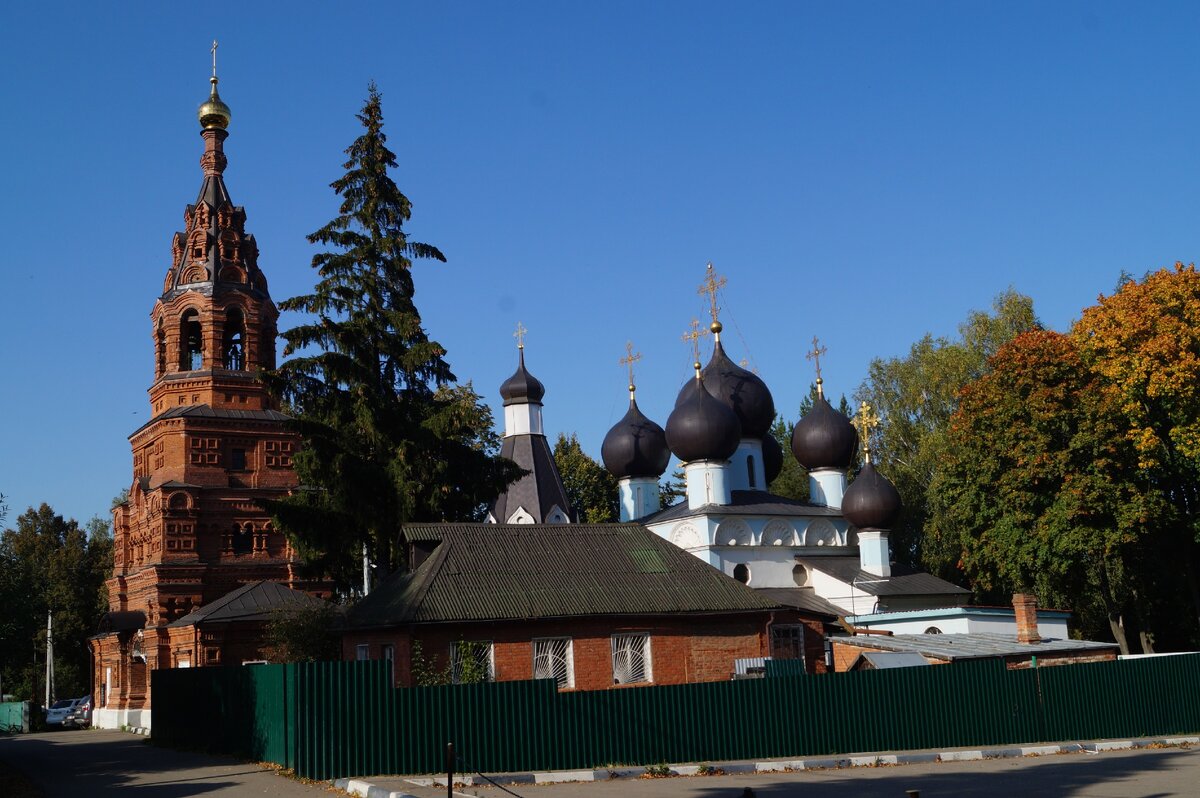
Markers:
{"x": 524, "y": 571}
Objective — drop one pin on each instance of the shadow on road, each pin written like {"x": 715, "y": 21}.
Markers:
{"x": 99, "y": 763}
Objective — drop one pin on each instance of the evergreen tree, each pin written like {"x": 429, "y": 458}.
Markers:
{"x": 674, "y": 489}
{"x": 387, "y": 438}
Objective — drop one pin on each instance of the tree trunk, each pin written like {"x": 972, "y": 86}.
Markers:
{"x": 1117, "y": 624}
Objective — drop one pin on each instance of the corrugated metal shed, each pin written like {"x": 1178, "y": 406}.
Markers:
{"x": 879, "y": 660}
{"x": 512, "y": 572}
{"x": 977, "y": 645}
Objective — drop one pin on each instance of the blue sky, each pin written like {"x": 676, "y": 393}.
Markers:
{"x": 865, "y": 172}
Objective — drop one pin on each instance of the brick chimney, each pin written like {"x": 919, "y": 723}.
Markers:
{"x": 1025, "y": 606}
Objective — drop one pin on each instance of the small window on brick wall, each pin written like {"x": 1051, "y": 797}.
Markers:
{"x": 237, "y": 459}
{"x": 787, "y": 641}
{"x": 471, "y": 662}
{"x": 554, "y": 659}
{"x": 631, "y": 659}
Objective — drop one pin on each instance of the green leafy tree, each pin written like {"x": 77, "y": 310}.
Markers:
{"x": 591, "y": 490}
{"x": 915, "y": 397}
{"x": 1144, "y": 341}
{"x": 304, "y": 633}
{"x": 49, "y": 563}
{"x": 387, "y": 437}
{"x": 1039, "y": 490}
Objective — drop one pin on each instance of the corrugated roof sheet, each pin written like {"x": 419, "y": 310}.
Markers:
{"x": 902, "y": 582}
{"x": 251, "y": 602}
{"x": 744, "y": 502}
{"x": 511, "y": 572}
{"x": 803, "y": 598}
{"x": 880, "y": 660}
{"x": 976, "y": 645}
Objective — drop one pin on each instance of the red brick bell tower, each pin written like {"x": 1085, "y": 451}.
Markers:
{"x": 192, "y": 529}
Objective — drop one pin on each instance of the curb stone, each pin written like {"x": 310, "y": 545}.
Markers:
{"x": 364, "y": 789}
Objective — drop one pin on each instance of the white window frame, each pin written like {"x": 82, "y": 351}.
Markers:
{"x": 387, "y": 653}
{"x": 557, "y": 655}
{"x": 362, "y": 652}
{"x": 485, "y": 651}
{"x": 627, "y": 649}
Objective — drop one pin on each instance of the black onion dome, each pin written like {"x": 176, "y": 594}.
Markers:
{"x": 740, "y": 390}
{"x": 871, "y": 502}
{"x": 772, "y": 457}
{"x": 824, "y": 438}
{"x": 635, "y": 447}
{"x": 522, "y": 387}
{"x": 701, "y": 427}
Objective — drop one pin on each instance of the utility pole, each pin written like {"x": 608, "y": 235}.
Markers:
{"x": 366, "y": 571}
{"x": 49, "y": 656}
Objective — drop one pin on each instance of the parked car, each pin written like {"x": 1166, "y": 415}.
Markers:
{"x": 59, "y": 710}
{"x": 80, "y": 716}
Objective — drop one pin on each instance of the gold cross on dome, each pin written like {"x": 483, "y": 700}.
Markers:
{"x": 214, "y": 54}
{"x": 865, "y": 421}
{"x": 815, "y": 355}
{"x": 629, "y": 359}
{"x": 520, "y": 335}
{"x": 693, "y": 336}
{"x": 713, "y": 283}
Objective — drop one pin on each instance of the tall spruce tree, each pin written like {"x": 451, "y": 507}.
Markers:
{"x": 387, "y": 437}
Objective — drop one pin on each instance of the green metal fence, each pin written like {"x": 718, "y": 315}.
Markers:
{"x": 14, "y": 717}
{"x": 327, "y": 720}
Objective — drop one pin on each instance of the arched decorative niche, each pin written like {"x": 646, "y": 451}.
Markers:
{"x": 820, "y": 532}
{"x": 734, "y": 532}
{"x": 685, "y": 536}
{"x": 778, "y": 533}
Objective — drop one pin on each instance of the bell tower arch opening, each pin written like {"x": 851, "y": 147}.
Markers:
{"x": 233, "y": 345}
{"x": 191, "y": 341}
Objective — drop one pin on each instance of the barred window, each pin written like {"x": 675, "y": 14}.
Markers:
{"x": 631, "y": 659}
{"x": 787, "y": 641}
{"x": 553, "y": 658}
{"x": 471, "y": 662}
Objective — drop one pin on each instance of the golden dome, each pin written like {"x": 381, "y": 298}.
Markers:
{"x": 213, "y": 113}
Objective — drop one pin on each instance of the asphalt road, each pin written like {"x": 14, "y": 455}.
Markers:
{"x": 95, "y": 763}
{"x": 100, "y": 764}
{"x": 1145, "y": 773}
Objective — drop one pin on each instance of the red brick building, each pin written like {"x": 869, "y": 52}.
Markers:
{"x": 591, "y": 605}
{"x": 192, "y": 529}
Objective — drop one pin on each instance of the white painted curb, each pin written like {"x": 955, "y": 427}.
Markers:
{"x": 365, "y": 789}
